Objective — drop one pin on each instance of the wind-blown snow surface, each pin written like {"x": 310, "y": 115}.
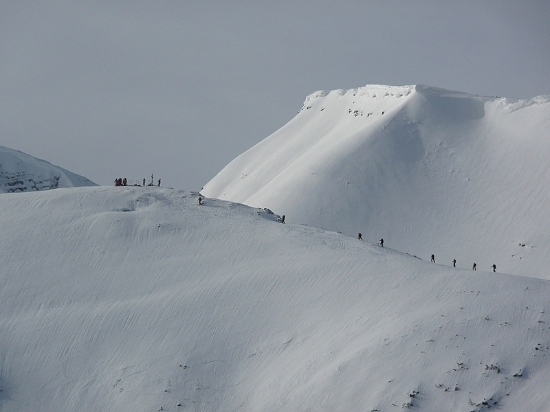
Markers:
{"x": 20, "y": 172}
{"x": 125, "y": 299}
{"x": 429, "y": 170}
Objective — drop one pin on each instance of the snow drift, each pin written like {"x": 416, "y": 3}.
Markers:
{"x": 431, "y": 171}
{"x": 123, "y": 298}
{"x": 20, "y": 172}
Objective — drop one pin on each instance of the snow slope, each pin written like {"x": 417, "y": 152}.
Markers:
{"x": 20, "y": 172}
{"x": 125, "y": 299}
{"x": 431, "y": 171}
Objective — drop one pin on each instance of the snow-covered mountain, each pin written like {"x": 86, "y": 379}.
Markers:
{"x": 20, "y": 172}
{"x": 431, "y": 171}
{"x": 137, "y": 298}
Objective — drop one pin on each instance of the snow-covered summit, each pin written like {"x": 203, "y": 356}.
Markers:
{"x": 432, "y": 171}
{"x": 20, "y": 172}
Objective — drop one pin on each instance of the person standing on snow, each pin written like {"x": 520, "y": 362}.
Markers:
{"x": 494, "y": 267}
{"x": 359, "y": 236}
{"x": 382, "y": 242}
{"x": 433, "y": 258}
{"x": 454, "y": 263}
{"x": 474, "y": 267}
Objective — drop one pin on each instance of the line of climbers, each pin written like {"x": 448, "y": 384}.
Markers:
{"x": 359, "y": 235}
{"x": 432, "y": 258}
{"x": 474, "y": 266}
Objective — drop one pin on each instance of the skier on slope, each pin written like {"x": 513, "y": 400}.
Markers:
{"x": 359, "y": 236}
{"x": 494, "y": 267}
{"x": 454, "y": 263}
{"x": 474, "y": 267}
{"x": 433, "y": 259}
{"x": 382, "y": 242}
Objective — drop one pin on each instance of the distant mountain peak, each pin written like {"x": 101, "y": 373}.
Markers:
{"x": 20, "y": 172}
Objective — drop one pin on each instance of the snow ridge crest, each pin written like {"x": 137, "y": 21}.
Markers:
{"x": 371, "y": 90}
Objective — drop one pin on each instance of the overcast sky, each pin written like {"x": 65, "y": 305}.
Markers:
{"x": 112, "y": 89}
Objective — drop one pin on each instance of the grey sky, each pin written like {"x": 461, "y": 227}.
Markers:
{"x": 112, "y": 89}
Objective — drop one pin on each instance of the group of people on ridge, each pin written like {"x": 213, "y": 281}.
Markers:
{"x": 123, "y": 182}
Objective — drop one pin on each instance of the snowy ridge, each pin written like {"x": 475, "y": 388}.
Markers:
{"x": 123, "y": 298}
{"x": 20, "y": 172}
{"x": 430, "y": 170}
{"x": 374, "y": 91}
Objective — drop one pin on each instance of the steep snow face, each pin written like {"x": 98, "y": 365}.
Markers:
{"x": 126, "y": 299}
{"x": 429, "y": 170}
{"x": 20, "y": 172}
